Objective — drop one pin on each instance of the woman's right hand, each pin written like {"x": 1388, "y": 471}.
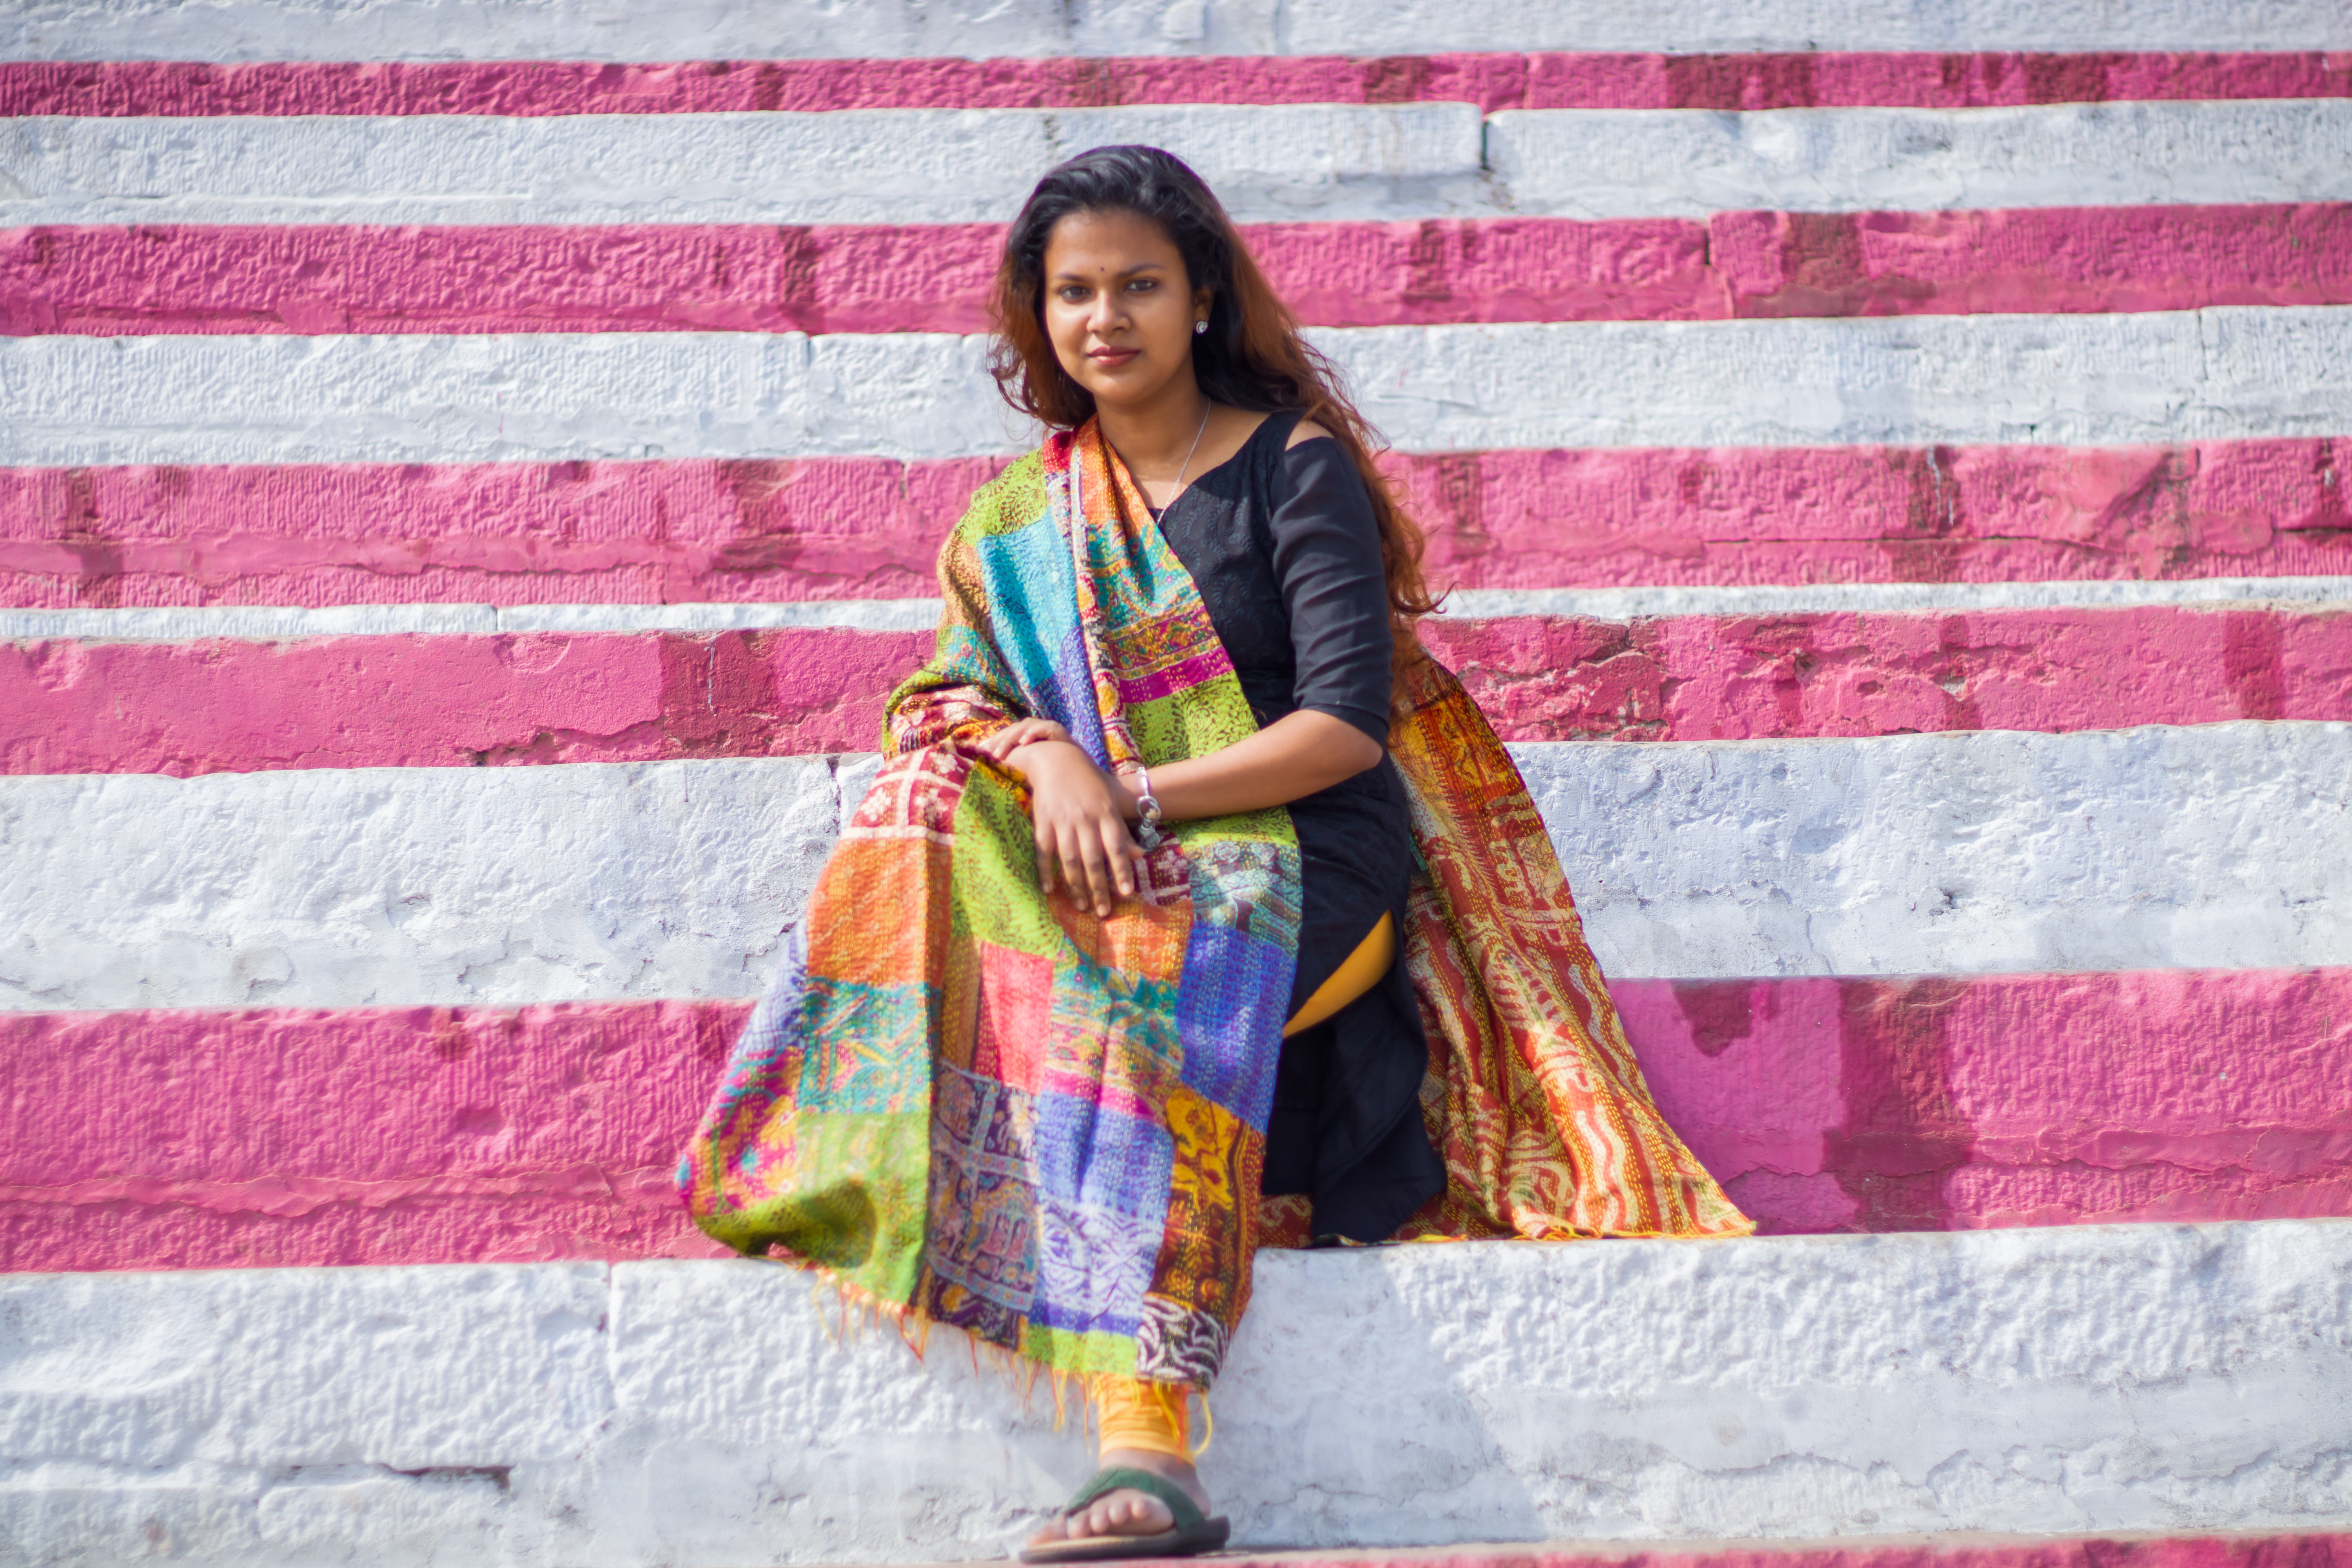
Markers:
{"x": 1017, "y": 735}
{"x": 1077, "y": 814}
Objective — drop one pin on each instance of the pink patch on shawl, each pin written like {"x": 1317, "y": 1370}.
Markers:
{"x": 1183, "y": 675}
{"x": 1016, "y": 1003}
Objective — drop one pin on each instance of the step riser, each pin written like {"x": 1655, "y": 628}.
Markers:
{"x": 209, "y": 705}
{"x": 702, "y": 1411}
{"x": 2107, "y": 379}
{"x": 1493, "y": 81}
{"x": 275, "y": 280}
{"x": 268, "y": 30}
{"x": 213, "y": 1139}
{"x": 702, "y": 530}
{"x": 2219, "y": 847}
{"x": 1267, "y": 162}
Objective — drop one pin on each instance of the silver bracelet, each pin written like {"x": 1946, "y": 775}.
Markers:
{"x": 1147, "y": 809}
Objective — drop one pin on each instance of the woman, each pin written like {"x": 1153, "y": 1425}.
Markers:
{"x": 1101, "y": 988}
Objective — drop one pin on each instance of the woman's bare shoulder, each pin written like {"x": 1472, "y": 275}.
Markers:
{"x": 1304, "y": 430}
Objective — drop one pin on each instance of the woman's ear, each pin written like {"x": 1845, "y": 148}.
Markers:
{"x": 1202, "y": 298}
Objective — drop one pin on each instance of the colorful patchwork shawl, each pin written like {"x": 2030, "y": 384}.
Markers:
{"x": 977, "y": 1105}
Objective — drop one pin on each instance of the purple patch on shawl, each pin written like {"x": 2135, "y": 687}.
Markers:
{"x": 1074, "y": 697}
{"x": 1106, "y": 1159}
{"x": 1094, "y": 1266}
{"x": 1230, "y": 1009}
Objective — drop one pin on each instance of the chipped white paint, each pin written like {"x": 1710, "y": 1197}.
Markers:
{"x": 1267, "y": 162}
{"x": 2174, "y": 1378}
{"x": 901, "y": 165}
{"x": 1671, "y": 163}
{"x": 2107, "y": 379}
{"x": 2214, "y": 847}
{"x": 225, "y": 30}
{"x": 407, "y": 885}
{"x": 274, "y": 623}
{"x": 268, "y": 623}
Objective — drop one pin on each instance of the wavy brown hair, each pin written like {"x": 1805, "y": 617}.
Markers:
{"x": 1252, "y": 357}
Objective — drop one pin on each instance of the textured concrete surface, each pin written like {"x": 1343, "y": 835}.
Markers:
{"x": 1621, "y": 79}
{"x": 2186, "y": 1379}
{"x": 1668, "y": 163}
{"x": 280, "y": 1136}
{"x": 2222, "y": 845}
{"x": 340, "y": 888}
{"x": 1376, "y": 160}
{"x": 2219, "y": 374}
{"x": 276, "y": 278}
{"x": 1953, "y": 523}
{"x": 268, "y": 623}
{"x": 727, "y": 30}
{"x": 393, "y": 701}
{"x": 1369, "y": 162}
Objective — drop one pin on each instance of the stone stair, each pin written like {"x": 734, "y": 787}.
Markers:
{"x": 468, "y": 480}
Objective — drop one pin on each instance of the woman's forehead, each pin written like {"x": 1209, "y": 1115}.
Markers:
{"x": 1113, "y": 242}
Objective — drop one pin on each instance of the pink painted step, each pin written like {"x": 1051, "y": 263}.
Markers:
{"x": 401, "y": 700}
{"x": 1493, "y": 81}
{"x": 310, "y": 279}
{"x": 2249, "y": 1550}
{"x": 207, "y": 1139}
{"x": 771, "y": 530}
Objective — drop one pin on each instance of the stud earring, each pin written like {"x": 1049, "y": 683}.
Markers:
{"x": 1200, "y": 327}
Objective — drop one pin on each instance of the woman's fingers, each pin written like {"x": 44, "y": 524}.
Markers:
{"x": 1094, "y": 865}
{"x": 1042, "y": 837}
{"x": 1120, "y": 854}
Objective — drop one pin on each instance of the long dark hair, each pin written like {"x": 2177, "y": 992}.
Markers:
{"x": 1252, "y": 357}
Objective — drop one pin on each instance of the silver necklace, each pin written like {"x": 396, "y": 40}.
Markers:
{"x": 1188, "y": 455}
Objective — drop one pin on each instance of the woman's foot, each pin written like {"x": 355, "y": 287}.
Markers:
{"x": 1127, "y": 1511}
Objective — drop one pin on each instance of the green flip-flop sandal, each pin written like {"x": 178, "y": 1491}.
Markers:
{"x": 1193, "y": 1532}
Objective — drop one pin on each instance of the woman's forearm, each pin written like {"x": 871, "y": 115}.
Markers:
{"x": 1290, "y": 758}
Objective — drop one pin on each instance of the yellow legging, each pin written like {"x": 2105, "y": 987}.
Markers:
{"x": 1151, "y": 1415}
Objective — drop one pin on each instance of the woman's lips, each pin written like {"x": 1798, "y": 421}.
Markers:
{"x": 1112, "y": 357}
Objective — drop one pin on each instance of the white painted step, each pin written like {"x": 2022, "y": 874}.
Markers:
{"x": 2161, "y": 377}
{"x": 277, "y": 622}
{"x": 1267, "y": 162}
{"x": 902, "y": 165}
{"x": 2222, "y": 846}
{"x": 2174, "y": 1378}
{"x": 228, "y": 30}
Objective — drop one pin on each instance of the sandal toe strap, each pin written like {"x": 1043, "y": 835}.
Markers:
{"x": 1123, "y": 1477}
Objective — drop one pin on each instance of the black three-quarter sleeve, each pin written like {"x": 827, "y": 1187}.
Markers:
{"x": 1327, "y": 557}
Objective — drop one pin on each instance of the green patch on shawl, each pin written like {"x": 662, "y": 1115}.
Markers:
{"x": 1193, "y": 723}
{"x": 996, "y": 847}
{"x": 1013, "y": 499}
{"x": 1083, "y": 1352}
{"x": 864, "y": 1220}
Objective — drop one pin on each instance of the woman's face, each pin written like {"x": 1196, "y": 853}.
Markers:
{"x": 1118, "y": 308}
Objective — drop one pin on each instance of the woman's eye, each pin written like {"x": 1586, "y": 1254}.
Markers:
{"x": 1072, "y": 294}
{"x": 1141, "y": 284}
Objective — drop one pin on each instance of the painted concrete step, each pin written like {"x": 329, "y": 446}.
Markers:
{"x": 1954, "y": 1550}
{"x": 2181, "y": 1379}
{"x": 202, "y": 704}
{"x": 715, "y": 29}
{"x": 1806, "y": 78}
{"x": 1268, "y": 162}
{"x": 1951, "y": 522}
{"x": 2227, "y": 374}
{"x": 2219, "y": 845}
{"x": 234, "y": 279}
{"x": 278, "y": 1137}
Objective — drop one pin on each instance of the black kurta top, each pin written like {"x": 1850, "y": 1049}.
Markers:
{"x": 1286, "y": 552}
